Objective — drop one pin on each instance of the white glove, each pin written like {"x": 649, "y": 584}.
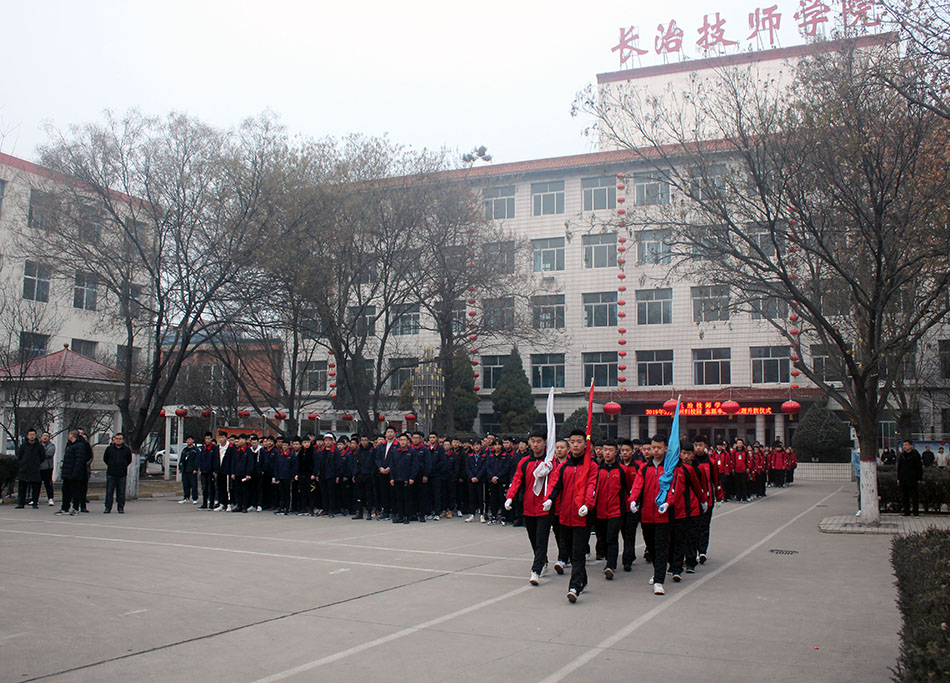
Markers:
{"x": 634, "y": 507}
{"x": 663, "y": 508}
{"x": 582, "y": 511}
{"x": 508, "y": 504}
{"x": 546, "y": 506}
{"x": 704, "y": 506}
{"x": 542, "y": 470}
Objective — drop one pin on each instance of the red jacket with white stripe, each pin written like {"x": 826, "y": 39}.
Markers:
{"x": 524, "y": 476}
{"x": 740, "y": 461}
{"x": 611, "y": 491}
{"x": 561, "y": 487}
{"x": 778, "y": 459}
{"x": 723, "y": 460}
{"x": 645, "y": 489}
{"x": 686, "y": 492}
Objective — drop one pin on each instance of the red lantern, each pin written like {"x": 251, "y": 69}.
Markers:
{"x": 244, "y": 413}
{"x": 621, "y": 211}
{"x": 473, "y": 351}
{"x": 474, "y": 362}
{"x": 670, "y": 405}
{"x": 331, "y": 365}
{"x": 206, "y": 414}
{"x": 410, "y": 417}
{"x": 621, "y": 314}
{"x": 381, "y": 418}
{"x": 622, "y": 389}
{"x": 621, "y": 341}
{"x": 621, "y": 186}
{"x": 621, "y": 353}
{"x": 622, "y": 302}
{"x": 621, "y": 379}
{"x": 793, "y": 358}
{"x": 621, "y": 367}
{"x": 620, "y": 174}
{"x": 330, "y": 352}
{"x": 794, "y": 373}
{"x": 181, "y": 412}
{"x": 793, "y": 386}
{"x": 622, "y": 240}
{"x": 332, "y": 373}
{"x": 472, "y": 314}
{"x": 472, "y": 302}
{"x": 794, "y": 331}
{"x": 472, "y": 337}
{"x": 312, "y": 416}
{"x": 346, "y": 417}
{"x": 161, "y": 413}
{"x": 793, "y": 317}
{"x": 730, "y": 407}
{"x": 280, "y": 416}
{"x": 621, "y": 249}
{"x": 621, "y": 200}
{"x": 622, "y": 330}
{"x": 622, "y": 288}
{"x": 621, "y": 276}
{"x": 333, "y": 396}
{"x": 477, "y": 388}
{"x": 791, "y": 407}
{"x": 475, "y": 374}
{"x": 612, "y": 408}
{"x": 621, "y": 261}
{"x": 333, "y": 385}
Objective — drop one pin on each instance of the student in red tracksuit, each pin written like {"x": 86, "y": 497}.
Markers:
{"x": 777, "y": 465}
{"x": 573, "y": 485}
{"x": 537, "y": 521}
{"x": 612, "y": 490}
{"x": 791, "y": 462}
{"x": 629, "y": 521}
{"x": 709, "y": 478}
{"x": 723, "y": 459}
{"x": 688, "y": 502}
{"x": 654, "y": 521}
{"x": 740, "y": 465}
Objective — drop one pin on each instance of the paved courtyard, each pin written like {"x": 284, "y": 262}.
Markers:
{"x": 167, "y": 592}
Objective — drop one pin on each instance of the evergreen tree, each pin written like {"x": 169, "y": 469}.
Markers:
{"x": 578, "y": 420}
{"x": 466, "y": 402}
{"x": 822, "y": 435}
{"x": 406, "y": 398}
{"x": 512, "y": 397}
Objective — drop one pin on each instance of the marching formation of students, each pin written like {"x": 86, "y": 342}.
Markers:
{"x": 414, "y": 477}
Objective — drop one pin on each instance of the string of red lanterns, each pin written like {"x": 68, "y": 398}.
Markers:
{"x": 621, "y": 288}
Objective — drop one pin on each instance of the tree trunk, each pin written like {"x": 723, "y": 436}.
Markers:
{"x": 447, "y": 362}
{"x": 905, "y": 425}
{"x": 870, "y": 505}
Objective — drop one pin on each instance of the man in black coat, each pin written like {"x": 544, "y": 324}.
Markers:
{"x": 117, "y": 458}
{"x": 31, "y": 455}
{"x": 87, "y": 456}
{"x": 73, "y": 470}
{"x": 910, "y": 471}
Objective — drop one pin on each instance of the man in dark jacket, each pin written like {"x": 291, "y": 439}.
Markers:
{"x": 87, "y": 457}
{"x": 73, "y": 470}
{"x": 31, "y": 455}
{"x": 188, "y": 464}
{"x": 910, "y": 471}
{"x": 117, "y": 458}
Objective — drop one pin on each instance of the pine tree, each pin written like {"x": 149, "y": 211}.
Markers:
{"x": 466, "y": 402}
{"x": 512, "y": 397}
{"x": 578, "y": 420}
{"x": 406, "y": 398}
{"x": 822, "y": 435}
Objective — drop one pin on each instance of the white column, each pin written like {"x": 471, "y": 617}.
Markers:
{"x": 780, "y": 428}
{"x": 651, "y": 424}
{"x": 168, "y": 439}
{"x": 181, "y": 446}
{"x": 635, "y": 427}
{"x": 57, "y": 427}
{"x": 760, "y": 428}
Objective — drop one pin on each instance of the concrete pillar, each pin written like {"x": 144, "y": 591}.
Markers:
{"x": 166, "y": 473}
{"x": 635, "y": 427}
{"x": 651, "y": 424}
{"x": 180, "y": 447}
{"x": 780, "y": 428}
{"x": 58, "y": 427}
{"x": 760, "y": 428}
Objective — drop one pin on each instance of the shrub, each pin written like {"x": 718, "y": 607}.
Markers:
{"x": 822, "y": 436}
{"x": 934, "y": 490}
{"x": 922, "y": 566}
{"x": 9, "y": 466}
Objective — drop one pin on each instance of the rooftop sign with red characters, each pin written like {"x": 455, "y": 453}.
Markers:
{"x": 711, "y": 408}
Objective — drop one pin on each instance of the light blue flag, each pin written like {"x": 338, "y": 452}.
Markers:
{"x": 672, "y": 457}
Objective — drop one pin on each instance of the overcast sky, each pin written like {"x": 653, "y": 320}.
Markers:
{"x": 429, "y": 74}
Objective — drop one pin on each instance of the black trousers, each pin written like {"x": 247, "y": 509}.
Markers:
{"x": 70, "y": 492}
{"x": 367, "y": 494}
{"x": 909, "y": 494}
{"x": 657, "y": 539}
{"x": 703, "y": 535}
{"x": 539, "y": 531}
{"x": 189, "y": 485}
{"x": 563, "y": 546}
{"x": 328, "y": 495}
{"x": 449, "y": 491}
{"x": 495, "y": 498}
{"x": 207, "y": 489}
{"x": 384, "y": 494}
{"x": 265, "y": 494}
{"x": 628, "y": 531}
{"x": 728, "y": 485}
{"x": 608, "y": 534}
{"x": 47, "y": 477}
{"x": 28, "y": 489}
{"x": 577, "y": 538}
{"x": 435, "y": 490}
{"x": 283, "y": 487}
{"x": 742, "y": 485}
{"x": 400, "y": 490}
{"x": 83, "y": 491}
{"x": 684, "y": 544}
{"x": 475, "y": 501}
{"x": 789, "y": 476}
{"x": 778, "y": 478}
{"x": 115, "y": 486}
{"x": 222, "y": 489}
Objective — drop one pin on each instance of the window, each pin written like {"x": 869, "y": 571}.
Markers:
{"x": 653, "y": 247}
{"x": 547, "y": 198}
{"x": 600, "y": 251}
{"x": 84, "y": 347}
{"x": 368, "y": 371}
{"x": 130, "y": 306}
{"x": 215, "y": 377}
{"x": 501, "y": 256}
{"x": 763, "y": 237}
{"x": 548, "y": 254}
{"x": 42, "y": 210}
{"x": 90, "y": 226}
{"x": 654, "y": 368}
{"x": 599, "y": 193}
{"x": 609, "y": 426}
{"x": 85, "y": 291}
{"x": 769, "y": 308}
{"x": 366, "y": 269}
{"x": 500, "y": 313}
{"x": 458, "y": 317}
{"x": 363, "y": 319}
{"x": 33, "y": 344}
{"x": 126, "y": 357}
{"x": 600, "y": 309}
{"x": 770, "y": 364}
{"x": 547, "y": 312}
{"x": 401, "y": 369}
{"x": 710, "y": 303}
{"x": 944, "y": 351}
{"x": 650, "y": 189}
{"x": 601, "y": 368}
{"x": 547, "y": 370}
{"x": 712, "y": 366}
{"x": 3, "y": 185}
{"x": 491, "y": 370}
{"x": 36, "y": 279}
{"x": 311, "y": 327}
{"x": 500, "y": 202}
{"x": 824, "y": 366}
{"x": 314, "y": 376}
{"x": 406, "y": 319}
{"x": 654, "y": 306}
{"x": 707, "y": 184}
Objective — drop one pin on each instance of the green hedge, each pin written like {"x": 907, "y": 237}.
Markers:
{"x": 934, "y": 489}
{"x": 9, "y": 466}
{"x": 922, "y": 566}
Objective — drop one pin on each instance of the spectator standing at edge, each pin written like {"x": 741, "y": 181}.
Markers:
{"x": 910, "y": 471}
{"x": 46, "y": 469}
{"x": 30, "y": 454}
{"x": 87, "y": 456}
{"x": 73, "y": 467}
{"x": 117, "y": 458}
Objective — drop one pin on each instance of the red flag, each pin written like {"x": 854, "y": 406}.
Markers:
{"x": 581, "y": 472}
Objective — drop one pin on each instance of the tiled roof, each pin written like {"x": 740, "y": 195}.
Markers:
{"x": 65, "y": 364}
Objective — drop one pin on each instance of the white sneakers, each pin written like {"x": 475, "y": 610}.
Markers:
{"x": 651, "y": 581}
{"x": 608, "y": 573}
{"x": 535, "y": 579}
{"x": 259, "y": 508}
{"x": 182, "y": 501}
{"x": 469, "y": 518}
{"x": 51, "y": 502}
{"x": 572, "y": 596}
{"x": 544, "y": 569}
{"x": 481, "y": 518}
{"x": 658, "y": 589}
{"x": 219, "y": 507}
{"x": 559, "y": 567}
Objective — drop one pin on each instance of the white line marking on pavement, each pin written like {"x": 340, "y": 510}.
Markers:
{"x": 667, "y": 601}
{"x": 135, "y": 611}
{"x": 329, "y": 659}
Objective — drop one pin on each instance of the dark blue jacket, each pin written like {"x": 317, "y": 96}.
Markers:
{"x": 325, "y": 463}
{"x": 242, "y": 464}
{"x": 285, "y": 466}
{"x": 208, "y": 459}
{"x": 440, "y": 463}
{"x": 422, "y": 458}
{"x": 226, "y": 464}
{"x": 365, "y": 461}
{"x": 189, "y": 458}
{"x": 476, "y": 465}
{"x": 383, "y": 459}
{"x": 305, "y": 463}
{"x": 265, "y": 460}
{"x": 498, "y": 467}
{"x": 347, "y": 464}
{"x": 404, "y": 466}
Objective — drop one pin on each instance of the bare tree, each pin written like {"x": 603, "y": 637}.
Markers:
{"x": 827, "y": 200}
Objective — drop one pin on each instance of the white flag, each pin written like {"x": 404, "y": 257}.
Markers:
{"x": 541, "y": 471}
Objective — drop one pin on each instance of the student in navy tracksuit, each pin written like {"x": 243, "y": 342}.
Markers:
{"x": 225, "y": 454}
{"x": 419, "y": 491}
{"x": 208, "y": 467}
{"x": 401, "y": 477}
{"x": 265, "y": 486}
{"x": 325, "y": 464}
{"x": 365, "y": 467}
{"x": 346, "y": 494}
{"x": 437, "y": 482}
{"x": 497, "y": 472}
{"x": 285, "y": 471}
{"x": 384, "y": 491}
{"x": 476, "y": 468}
{"x": 242, "y": 467}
